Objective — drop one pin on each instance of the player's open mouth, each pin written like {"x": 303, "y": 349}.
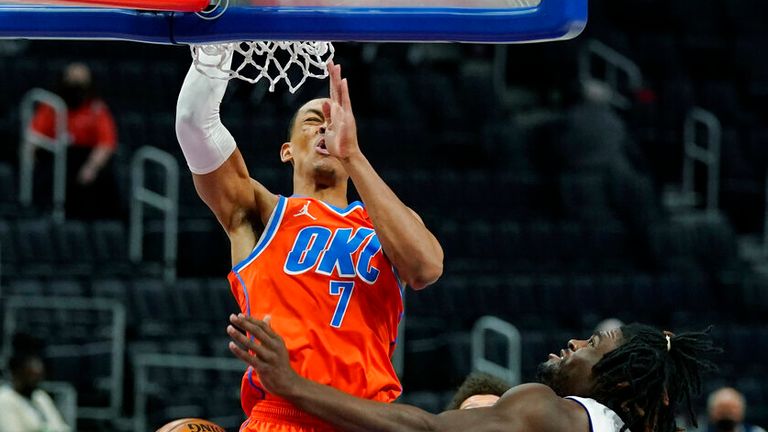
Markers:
{"x": 320, "y": 147}
{"x": 563, "y": 355}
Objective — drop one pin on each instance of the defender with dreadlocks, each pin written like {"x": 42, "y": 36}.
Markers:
{"x": 633, "y": 378}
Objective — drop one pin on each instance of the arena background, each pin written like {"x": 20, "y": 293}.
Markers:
{"x": 555, "y": 211}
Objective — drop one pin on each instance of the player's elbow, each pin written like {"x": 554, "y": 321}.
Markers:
{"x": 191, "y": 114}
{"x": 425, "y": 274}
{"x": 186, "y": 124}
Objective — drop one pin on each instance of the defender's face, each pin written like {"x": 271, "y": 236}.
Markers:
{"x": 570, "y": 372}
{"x": 306, "y": 149}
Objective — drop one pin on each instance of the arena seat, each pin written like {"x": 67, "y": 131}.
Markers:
{"x": 7, "y": 189}
{"x": 746, "y": 16}
{"x": 133, "y": 130}
{"x": 25, "y": 287}
{"x": 8, "y": 246}
{"x": 37, "y": 253}
{"x": 65, "y": 288}
{"x": 436, "y": 90}
{"x": 151, "y": 303}
{"x": 390, "y": 90}
{"x": 76, "y": 252}
{"x": 110, "y": 288}
{"x": 110, "y": 247}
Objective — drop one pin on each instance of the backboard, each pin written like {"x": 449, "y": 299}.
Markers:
{"x": 174, "y": 21}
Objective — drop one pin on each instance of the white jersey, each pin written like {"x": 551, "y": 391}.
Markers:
{"x": 601, "y": 418}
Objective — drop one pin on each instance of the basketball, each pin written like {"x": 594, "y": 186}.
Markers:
{"x": 191, "y": 425}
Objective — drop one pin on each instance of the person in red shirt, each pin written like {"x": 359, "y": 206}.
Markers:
{"x": 92, "y": 142}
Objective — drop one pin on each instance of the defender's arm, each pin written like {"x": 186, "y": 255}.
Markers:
{"x": 526, "y": 408}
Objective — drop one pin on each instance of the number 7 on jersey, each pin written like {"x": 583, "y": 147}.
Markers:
{"x": 344, "y": 291}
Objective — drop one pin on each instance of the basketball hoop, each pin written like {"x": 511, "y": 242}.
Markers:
{"x": 289, "y": 61}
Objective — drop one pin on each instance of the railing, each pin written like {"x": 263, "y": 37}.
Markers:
{"x": 511, "y": 371}
{"x": 31, "y": 141}
{"x": 616, "y": 66}
{"x": 20, "y": 305}
{"x": 708, "y": 154}
{"x": 168, "y": 204}
{"x": 143, "y": 386}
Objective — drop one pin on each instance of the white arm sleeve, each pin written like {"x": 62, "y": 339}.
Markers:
{"x": 204, "y": 140}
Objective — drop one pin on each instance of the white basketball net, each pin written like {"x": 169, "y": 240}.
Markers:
{"x": 275, "y": 61}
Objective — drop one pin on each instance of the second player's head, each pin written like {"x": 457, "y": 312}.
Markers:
{"x": 640, "y": 372}
{"x": 305, "y": 148}
{"x": 478, "y": 390}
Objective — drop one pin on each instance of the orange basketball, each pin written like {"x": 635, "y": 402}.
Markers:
{"x": 191, "y": 425}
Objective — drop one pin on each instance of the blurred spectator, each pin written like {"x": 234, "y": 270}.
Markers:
{"x": 91, "y": 186}
{"x": 726, "y": 407}
{"x": 599, "y": 167}
{"x": 23, "y": 406}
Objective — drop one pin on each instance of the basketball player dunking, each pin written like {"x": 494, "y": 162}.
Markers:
{"x": 330, "y": 270}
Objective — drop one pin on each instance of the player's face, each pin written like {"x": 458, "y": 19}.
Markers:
{"x": 307, "y": 148}
{"x": 570, "y": 372}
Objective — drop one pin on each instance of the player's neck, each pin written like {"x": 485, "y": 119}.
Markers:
{"x": 335, "y": 195}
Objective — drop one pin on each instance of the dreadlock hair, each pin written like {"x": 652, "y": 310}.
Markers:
{"x": 645, "y": 379}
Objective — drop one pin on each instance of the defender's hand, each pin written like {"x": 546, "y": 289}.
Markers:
{"x": 270, "y": 356}
{"x": 341, "y": 134}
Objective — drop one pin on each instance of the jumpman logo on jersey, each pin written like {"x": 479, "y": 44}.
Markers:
{"x": 305, "y": 211}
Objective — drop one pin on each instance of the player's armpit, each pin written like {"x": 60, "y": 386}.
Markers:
{"x": 241, "y": 204}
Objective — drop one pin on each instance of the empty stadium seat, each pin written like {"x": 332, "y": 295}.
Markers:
{"x": 65, "y": 288}
{"x": 25, "y": 287}
{"x": 8, "y": 251}
{"x": 152, "y": 305}
{"x": 7, "y": 189}
{"x": 110, "y": 248}
{"x": 75, "y": 246}
{"x": 36, "y": 251}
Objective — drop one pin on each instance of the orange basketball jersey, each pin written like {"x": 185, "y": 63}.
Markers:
{"x": 319, "y": 271}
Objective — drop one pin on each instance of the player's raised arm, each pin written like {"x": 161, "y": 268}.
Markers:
{"x": 220, "y": 175}
{"x": 410, "y": 246}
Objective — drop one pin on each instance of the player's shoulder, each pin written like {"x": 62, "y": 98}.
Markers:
{"x": 542, "y": 409}
{"x": 530, "y": 391}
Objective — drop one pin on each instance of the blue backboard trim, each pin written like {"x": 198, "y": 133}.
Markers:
{"x": 551, "y": 20}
